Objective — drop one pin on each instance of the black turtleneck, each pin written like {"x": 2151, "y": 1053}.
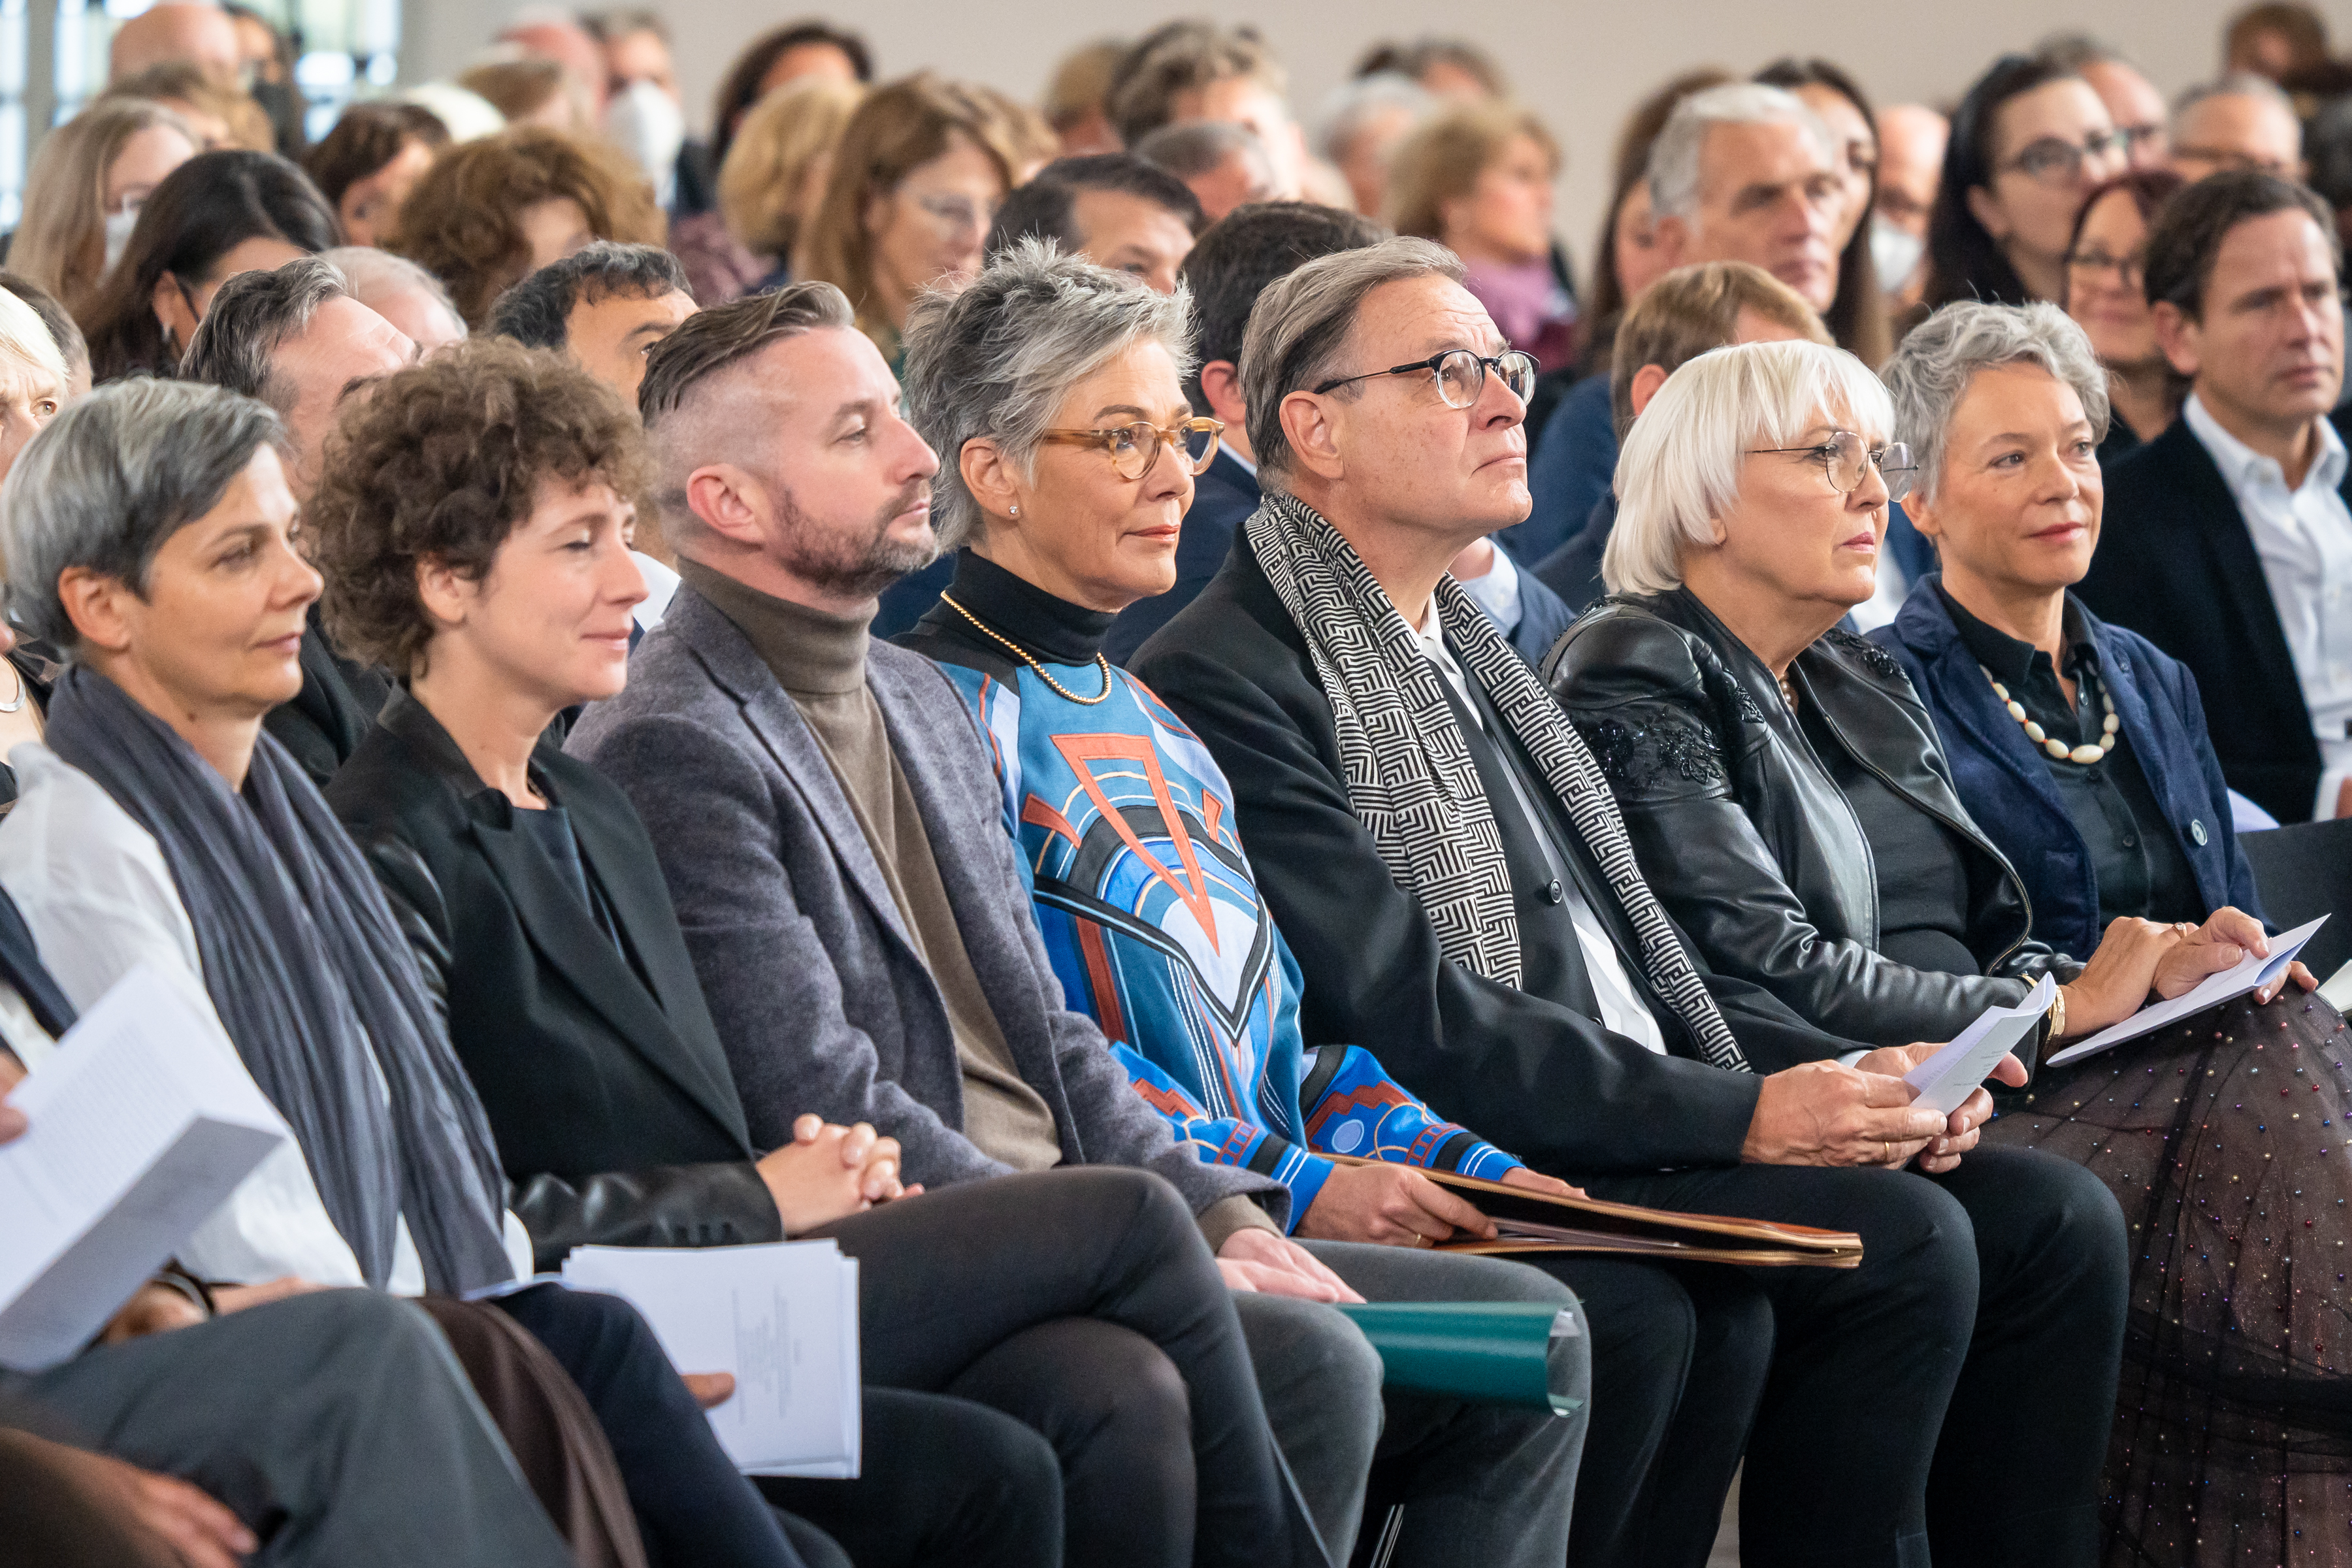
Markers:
{"x": 1052, "y": 630}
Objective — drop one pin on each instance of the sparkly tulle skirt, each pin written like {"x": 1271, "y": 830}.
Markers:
{"x": 2225, "y": 1139}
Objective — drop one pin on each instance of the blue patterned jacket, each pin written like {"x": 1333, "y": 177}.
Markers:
{"x": 1148, "y": 909}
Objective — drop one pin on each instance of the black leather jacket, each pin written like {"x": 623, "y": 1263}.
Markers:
{"x": 1749, "y": 841}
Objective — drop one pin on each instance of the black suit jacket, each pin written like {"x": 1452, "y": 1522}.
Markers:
{"x": 1531, "y": 1072}
{"x": 2176, "y": 565}
{"x": 615, "y": 1115}
{"x": 328, "y": 717}
{"x": 1222, "y": 499}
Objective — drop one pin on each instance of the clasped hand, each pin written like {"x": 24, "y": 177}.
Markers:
{"x": 829, "y": 1171}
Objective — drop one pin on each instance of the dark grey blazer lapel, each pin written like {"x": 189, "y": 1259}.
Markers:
{"x": 769, "y": 711}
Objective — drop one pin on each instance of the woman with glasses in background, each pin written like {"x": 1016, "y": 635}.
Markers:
{"x": 87, "y": 183}
{"x": 915, "y": 184}
{"x": 2107, "y": 298}
{"x": 2029, "y": 143}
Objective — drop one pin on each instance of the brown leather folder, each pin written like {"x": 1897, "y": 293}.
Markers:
{"x": 1540, "y": 1221}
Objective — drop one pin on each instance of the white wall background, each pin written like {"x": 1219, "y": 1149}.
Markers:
{"x": 1581, "y": 64}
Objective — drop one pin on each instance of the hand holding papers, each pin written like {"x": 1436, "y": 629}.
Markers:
{"x": 2250, "y": 973}
{"x": 134, "y": 1139}
{"x": 782, "y": 1318}
{"x": 1947, "y": 1078}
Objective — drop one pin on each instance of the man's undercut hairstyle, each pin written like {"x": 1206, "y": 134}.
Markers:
{"x": 1934, "y": 365}
{"x": 254, "y": 315}
{"x": 995, "y": 358}
{"x": 1182, "y": 57}
{"x": 1685, "y": 457}
{"x": 709, "y": 342}
{"x": 440, "y": 466}
{"x": 1047, "y": 207}
{"x": 1196, "y": 147}
{"x": 1676, "y": 157}
{"x": 1692, "y": 310}
{"x": 537, "y": 311}
{"x": 108, "y": 481}
{"x": 2186, "y": 240}
{"x": 705, "y": 345}
{"x": 2233, "y": 84}
{"x": 1300, "y": 329}
{"x": 1243, "y": 252}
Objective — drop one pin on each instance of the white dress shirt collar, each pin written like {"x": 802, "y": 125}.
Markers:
{"x": 1622, "y": 1011}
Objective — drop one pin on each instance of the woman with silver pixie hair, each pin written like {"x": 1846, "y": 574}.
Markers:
{"x": 1052, "y": 391}
{"x": 2081, "y": 748}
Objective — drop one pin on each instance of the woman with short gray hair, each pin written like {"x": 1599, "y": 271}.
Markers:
{"x": 1052, "y": 391}
{"x": 2082, "y": 750}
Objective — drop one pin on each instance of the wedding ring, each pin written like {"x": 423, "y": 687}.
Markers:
{"x": 1889, "y": 1147}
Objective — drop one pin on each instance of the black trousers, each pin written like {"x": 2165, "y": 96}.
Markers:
{"x": 1955, "y": 1389}
{"x": 1679, "y": 1360}
{"x": 945, "y": 1481}
{"x": 1084, "y": 1303}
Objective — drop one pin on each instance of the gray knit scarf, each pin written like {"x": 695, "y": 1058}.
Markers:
{"x": 1411, "y": 778}
{"x": 313, "y": 983}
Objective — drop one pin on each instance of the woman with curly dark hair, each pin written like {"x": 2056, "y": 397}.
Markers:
{"x": 488, "y": 213}
{"x": 371, "y": 160}
{"x": 471, "y": 533}
{"x": 216, "y": 215}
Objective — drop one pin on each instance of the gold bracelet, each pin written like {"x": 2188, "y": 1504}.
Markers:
{"x": 2057, "y": 1014}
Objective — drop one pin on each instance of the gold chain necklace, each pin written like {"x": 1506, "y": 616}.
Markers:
{"x": 1023, "y": 655}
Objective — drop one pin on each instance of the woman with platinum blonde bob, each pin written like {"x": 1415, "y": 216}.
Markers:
{"x": 1053, "y": 392}
{"x": 1791, "y": 800}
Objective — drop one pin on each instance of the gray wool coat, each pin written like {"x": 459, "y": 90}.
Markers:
{"x": 819, "y": 997}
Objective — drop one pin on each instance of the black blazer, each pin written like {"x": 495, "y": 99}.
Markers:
{"x": 325, "y": 721}
{"x": 1751, "y": 843}
{"x": 2176, "y": 565}
{"x": 603, "y": 1080}
{"x": 1531, "y": 1072}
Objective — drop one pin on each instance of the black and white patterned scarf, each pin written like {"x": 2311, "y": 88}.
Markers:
{"x": 1409, "y": 774}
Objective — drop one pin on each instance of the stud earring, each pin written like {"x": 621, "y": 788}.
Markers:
{"x": 1016, "y": 512}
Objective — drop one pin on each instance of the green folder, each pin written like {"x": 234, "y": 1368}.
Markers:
{"x": 1503, "y": 1353}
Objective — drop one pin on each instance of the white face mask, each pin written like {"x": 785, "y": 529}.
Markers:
{"x": 118, "y": 235}
{"x": 1894, "y": 253}
{"x": 648, "y": 124}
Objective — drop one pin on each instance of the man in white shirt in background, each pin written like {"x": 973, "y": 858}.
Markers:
{"x": 2228, "y": 540}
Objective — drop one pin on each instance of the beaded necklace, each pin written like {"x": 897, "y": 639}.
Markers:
{"x": 1023, "y": 655}
{"x": 2085, "y": 753}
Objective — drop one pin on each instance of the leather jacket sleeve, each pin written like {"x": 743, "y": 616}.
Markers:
{"x": 417, "y": 908}
{"x": 1671, "y": 730}
{"x": 664, "y": 1205}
